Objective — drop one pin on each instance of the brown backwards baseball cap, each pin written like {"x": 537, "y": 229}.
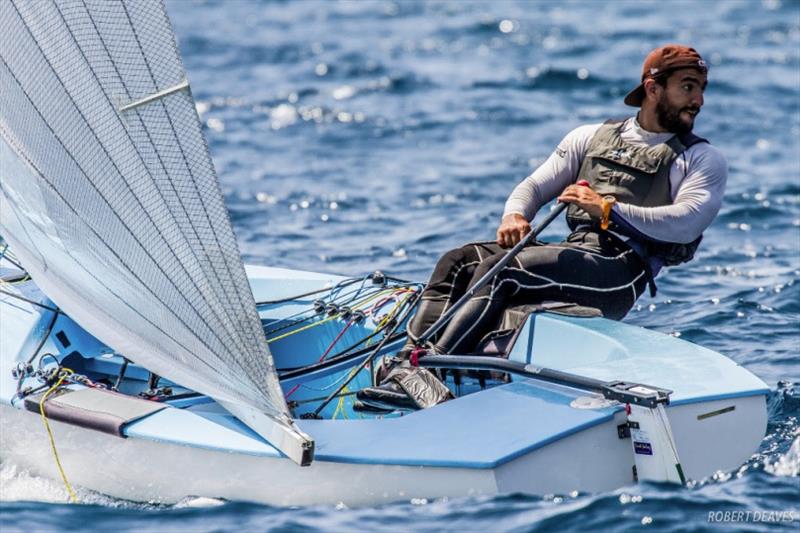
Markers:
{"x": 662, "y": 61}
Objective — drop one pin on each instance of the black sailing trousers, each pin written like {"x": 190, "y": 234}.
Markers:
{"x": 593, "y": 269}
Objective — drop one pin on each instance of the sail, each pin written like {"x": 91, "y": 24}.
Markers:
{"x": 110, "y": 200}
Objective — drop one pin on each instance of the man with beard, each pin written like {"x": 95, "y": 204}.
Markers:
{"x": 654, "y": 187}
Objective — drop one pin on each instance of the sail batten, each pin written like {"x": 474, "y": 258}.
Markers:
{"x": 112, "y": 202}
{"x": 153, "y": 97}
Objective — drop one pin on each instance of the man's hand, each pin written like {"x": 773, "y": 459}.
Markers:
{"x": 585, "y": 198}
{"x": 512, "y": 229}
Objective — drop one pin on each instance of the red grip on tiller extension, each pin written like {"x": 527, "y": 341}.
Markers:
{"x": 416, "y": 353}
{"x": 582, "y": 183}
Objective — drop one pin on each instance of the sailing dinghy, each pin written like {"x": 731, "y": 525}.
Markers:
{"x": 141, "y": 359}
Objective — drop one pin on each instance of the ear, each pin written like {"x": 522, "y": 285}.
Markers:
{"x": 652, "y": 88}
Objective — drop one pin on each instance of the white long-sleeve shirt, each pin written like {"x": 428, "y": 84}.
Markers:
{"x": 697, "y": 184}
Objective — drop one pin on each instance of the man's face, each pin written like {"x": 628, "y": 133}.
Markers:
{"x": 680, "y": 101}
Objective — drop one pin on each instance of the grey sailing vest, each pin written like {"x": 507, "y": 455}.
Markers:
{"x": 636, "y": 175}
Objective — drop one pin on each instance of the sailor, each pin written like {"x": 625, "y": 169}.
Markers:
{"x": 654, "y": 187}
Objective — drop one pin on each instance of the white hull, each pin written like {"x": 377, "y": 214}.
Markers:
{"x": 592, "y": 460}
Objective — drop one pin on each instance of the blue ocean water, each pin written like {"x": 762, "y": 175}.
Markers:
{"x": 354, "y": 136}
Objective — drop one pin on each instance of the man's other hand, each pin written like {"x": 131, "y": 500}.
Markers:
{"x": 585, "y": 198}
{"x": 512, "y": 229}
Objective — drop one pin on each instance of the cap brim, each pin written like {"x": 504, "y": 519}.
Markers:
{"x": 635, "y": 97}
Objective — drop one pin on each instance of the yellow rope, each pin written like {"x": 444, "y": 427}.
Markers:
{"x": 9, "y": 284}
{"x": 63, "y": 375}
{"x": 362, "y": 303}
{"x": 309, "y": 326}
{"x": 358, "y": 305}
{"x": 386, "y": 318}
{"x": 340, "y": 402}
{"x": 373, "y": 296}
{"x": 391, "y": 314}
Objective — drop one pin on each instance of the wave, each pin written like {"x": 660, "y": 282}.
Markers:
{"x": 549, "y": 78}
{"x": 242, "y": 55}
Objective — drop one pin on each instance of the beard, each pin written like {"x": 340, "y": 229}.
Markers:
{"x": 669, "y": 117}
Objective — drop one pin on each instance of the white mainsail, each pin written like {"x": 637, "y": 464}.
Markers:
{"x": 109, "y": 198}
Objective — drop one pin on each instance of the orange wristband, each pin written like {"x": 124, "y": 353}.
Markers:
{"x": 608, "y": 203}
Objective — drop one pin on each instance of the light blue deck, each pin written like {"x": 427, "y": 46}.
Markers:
{"x": 481, "y": 430}
{"x": 609, "y": 350}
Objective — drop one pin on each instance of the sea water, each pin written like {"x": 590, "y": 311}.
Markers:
{"x": 355, "y": 136}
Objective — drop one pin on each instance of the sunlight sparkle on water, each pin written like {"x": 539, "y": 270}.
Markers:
{"x": 508, "y": 26}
